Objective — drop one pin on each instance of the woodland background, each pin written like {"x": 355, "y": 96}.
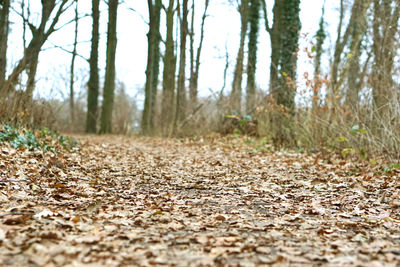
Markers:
{"x": 349, "y": 104}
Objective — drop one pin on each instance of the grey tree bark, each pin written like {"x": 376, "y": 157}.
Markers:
{"x": 109, "y": 83}
{"x": 4, "y": 28}
{"x": 152, "y": 70}
{"x": 181, "y": 100}
{"x": 236, "y": 94}
{"x": 168, "y": 74}
{"x": 93, "y": 83}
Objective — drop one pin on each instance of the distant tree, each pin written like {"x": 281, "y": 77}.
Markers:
{"x": 4, "y": 28}
{"x": 254, "y": 16}
{"x": 385, "y": 29}
{"x": 168, "y": 73}
{"x": 355, "y": 74}
{"x": 195, "y": 57}
{"x": 284, "y": 36}
{"x": 274, "y": 34}
{"x": 93, "y": 84}
{"x": 320, "y": 36}
{"x": 289, "y": 42}
{"x": 181, "y": 100}
{"x": 109, "y": 83}
{"x": 40, "y": 34}
{"x": 236, "y": 94}
{"x": 72, "y": 67}
{"x": 358, "y": 12}
{"x": 153, "y": 66}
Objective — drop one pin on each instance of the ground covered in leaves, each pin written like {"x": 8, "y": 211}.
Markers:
{"x": 151, "y": 202}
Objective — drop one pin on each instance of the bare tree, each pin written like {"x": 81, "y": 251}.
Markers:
{"x": 72, "y": 67}
{"x": 180, "y": 112}
{"x": 4, "y": 28}
{"x": 93, "y": 84}
{"x": 284, "y": 35}
{"x": 254, "y": 15}
{"x": 236, "y": 94}
{"x": 195, "y": 57}
{"x": 109, "y": 83}
{"x": 168, "y": 73}
{"x": 358, "y": 11}
{"x": 153, "y": 66}
{"x": 51, "y": 12}
{"x": 385, "y": 28}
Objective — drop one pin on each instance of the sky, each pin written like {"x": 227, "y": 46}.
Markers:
{"x": 222, "y": 28}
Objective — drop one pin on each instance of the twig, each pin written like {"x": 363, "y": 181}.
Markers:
{"x": 14, "y": 180}
{"x": 191, "y": 116}
{"x": 16, "y": 213}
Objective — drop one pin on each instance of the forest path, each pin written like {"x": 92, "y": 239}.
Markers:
{"x": 152, "y": 202}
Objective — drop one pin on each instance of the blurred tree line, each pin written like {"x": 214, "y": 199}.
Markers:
{"x": 360, "y": 87}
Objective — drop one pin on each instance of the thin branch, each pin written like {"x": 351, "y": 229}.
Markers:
{"x": 16, "y": 213}
{"x": 267, "y": 27}
{"x": 140, "y": 15}
{"x": 60, "y": 10}
{"x": 65, "y": 50}
{"x": 71, "y": 21}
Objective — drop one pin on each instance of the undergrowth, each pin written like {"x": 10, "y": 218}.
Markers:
{"x": 40, "y": 139}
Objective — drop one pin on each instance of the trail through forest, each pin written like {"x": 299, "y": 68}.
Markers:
{"x": 153, "y": 202}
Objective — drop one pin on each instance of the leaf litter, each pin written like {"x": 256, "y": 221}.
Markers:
{"x": 166, "y": 202}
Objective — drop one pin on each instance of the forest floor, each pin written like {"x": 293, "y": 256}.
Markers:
{"x": 152, "y": 202}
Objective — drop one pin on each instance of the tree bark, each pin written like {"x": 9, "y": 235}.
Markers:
{"x": 284, "y": 36}
{"x": 274, "y": 34}
{"x": 180, "y": 112}
{"x": 72, "y": 68}
{"x": 152, "y": 70}
{"x": 236, "y": 94}
{"x": 252, "y": 56}
{"x": 29, "y": 60}
{"x": 93, "y": 84}
{"x": 354, "y": 74}
{"x": 385, "y": 29}
{"x": 109, "y": 83}
{"x": 168, "y": 74}
{"x": 4, "y": 29}
{"x": 359, "y": 7}
{"x": 156, "y": 65}
{"x": 195, "y": 63}
{"x": 320, "y": 36}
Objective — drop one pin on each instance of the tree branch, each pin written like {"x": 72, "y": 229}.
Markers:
{"x": 267, "y": 27}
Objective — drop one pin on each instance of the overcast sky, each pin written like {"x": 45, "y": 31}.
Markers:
{"x": 222, "y": 29}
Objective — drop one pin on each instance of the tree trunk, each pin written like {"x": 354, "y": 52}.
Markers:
{"x": 288, "y": 56}
{"x": 236, "y": 94}
{"x": 93, "y": 84}
{"x": 109, "y": 83}
{"x": 31, "y": 53}
{"x": 4, "y": 29}
{"x": 284, "y": 40}
{"x": 274, "y": 34}
{"x": 254, "y": 13}
{"x": 358, "y": 10}
{"x": 152, "y": 70}
{"x": 354, "y": 73}
{"x": 195, "y": 64}
{"x": 320, "y": 36}
{"x": 30, "y": 86}
{"x": 168, "y": 74}
{"x": 385, "y": 29}
{"x": 156, "y": 64}
{"x": 72, "y": 69}
{"x": 180, "y": 113}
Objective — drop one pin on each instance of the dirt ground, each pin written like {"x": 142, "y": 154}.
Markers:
{"x": 164, "y": 202}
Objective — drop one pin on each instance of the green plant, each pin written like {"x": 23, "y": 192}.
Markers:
{"x": 353, "y": 147}
{"x": 41, "y": 139}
